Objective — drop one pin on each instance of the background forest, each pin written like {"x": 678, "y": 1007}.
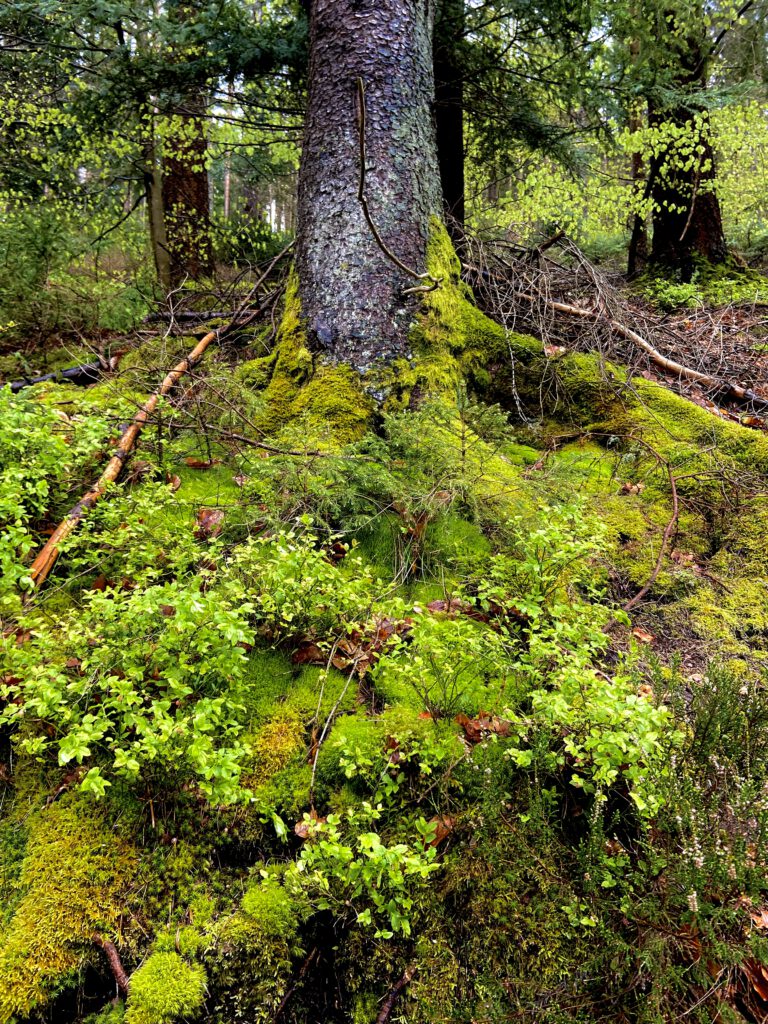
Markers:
{"x": 425, "y": 688}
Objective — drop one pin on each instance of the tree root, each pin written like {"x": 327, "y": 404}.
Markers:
{"x": 122, "y": 980}
{"x": 389, "y": 1003}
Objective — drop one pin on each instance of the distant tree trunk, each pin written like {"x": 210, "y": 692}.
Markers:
{"x": 637, "y": 256}
{"x": 186, "y": 195}
{"x": 153, "y": 183}
{"x": 351, "y": 292}
{"x": 687, "y": 221}
{"x": 449, "y": 110}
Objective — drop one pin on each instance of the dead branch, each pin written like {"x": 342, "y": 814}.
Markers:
{"x": 667, "y": 364}
{"x": 46, "y": 558}
{"x": 389, "y": 1003}
{"x": 122, "y": 980}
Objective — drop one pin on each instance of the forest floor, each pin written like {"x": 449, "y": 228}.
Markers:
{"x": 454, "y": 712}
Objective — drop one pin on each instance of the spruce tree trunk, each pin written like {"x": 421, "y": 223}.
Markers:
{"x": 352, "y": 294}
{"x": 449, "y": 110}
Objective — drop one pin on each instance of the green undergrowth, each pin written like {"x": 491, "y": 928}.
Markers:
{"x": 292, "y": 723}
{"x": 710, "y": 285}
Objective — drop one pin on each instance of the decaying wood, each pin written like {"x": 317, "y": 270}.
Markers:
{"x": 397, "y": 988}
{"x": 122, "y": 980}
{"x": 85, "y": 374}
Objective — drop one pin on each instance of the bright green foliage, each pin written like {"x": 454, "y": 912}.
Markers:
{"x": 39, "y": 447}
{"x": 297, "y": 588}
{"x": 165, "y": 989}
{"x": 137, "y": 684}
{"x": 343, "y": 868}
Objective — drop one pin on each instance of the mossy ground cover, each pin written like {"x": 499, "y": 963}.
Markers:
{"x": 485, "y": 793}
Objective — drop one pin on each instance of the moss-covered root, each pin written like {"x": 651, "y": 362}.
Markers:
{"x": 303, "y": 394}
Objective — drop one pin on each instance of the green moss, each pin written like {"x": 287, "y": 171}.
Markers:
{"x": 271, "y": 910}
{"x": 273, "y": 746}
{"x": 303, "y": 395}
{"x": 164, "y": 989}
{"x": 252, "y": 963}
{"x": 73, "y": 882}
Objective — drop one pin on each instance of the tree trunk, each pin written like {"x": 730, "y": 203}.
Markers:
{"x": 449, "y": 110}
{"x": 687, "y": 221}
{"x": 153, "y": 183}
{"x": 352, "y": 293}
{"x": 185, "y": 194}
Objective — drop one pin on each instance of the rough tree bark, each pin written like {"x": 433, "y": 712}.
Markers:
{"x": 351, "y": 293}
{"x": 449, "y": 110}
{"x": 687, "y": 221}
{"x": 185, "y": 190}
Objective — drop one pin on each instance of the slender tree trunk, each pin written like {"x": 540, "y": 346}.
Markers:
{"x": 637, "y": 257}
{"x": 687, "y": 221}
{"x": 352, "y": 294}
{"x": 153, "y": 183}
{"x": 186, "y": 195}
{"x": 449, "y": 110}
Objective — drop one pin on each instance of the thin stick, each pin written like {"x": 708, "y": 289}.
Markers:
{"x": 122, "y": 980}
{"x": 361, "y": 123}
{"x": 46, "y": 558}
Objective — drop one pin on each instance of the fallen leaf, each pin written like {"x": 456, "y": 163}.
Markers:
{"x": 760, "y": 919}
{"x": 201, "y": 463}
{"x": 643, "y": 635}
{"x": 100, "y": 583}
{"x": 209, "y": 523}
{"x": 630, "y": 488}
{"x": 241, "y": 479}
{"x": 553, "y": 351}
{"x": 302, "y": 828}
{"x": 309, "y": 654}
{"x": 443, "y": 828}
{"x": 174, "y": 482}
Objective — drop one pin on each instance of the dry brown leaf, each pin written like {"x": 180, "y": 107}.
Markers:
{"x": 209, "y": 523}
{"x": 643, "y": 635}
{"x": 443, "y": 828}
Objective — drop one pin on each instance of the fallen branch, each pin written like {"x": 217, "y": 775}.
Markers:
{"x": 389, "y": 1003}
{"x": 667, "y": 364}
{"x": 83, "y": 375}
{"x": 122, "y": 980}
{"x": 46, "y": 558}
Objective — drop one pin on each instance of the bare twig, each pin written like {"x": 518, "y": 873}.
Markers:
{"x": 122, "y": 980}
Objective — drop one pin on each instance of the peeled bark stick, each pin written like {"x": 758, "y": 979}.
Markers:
{"x": 46, "y": 559}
